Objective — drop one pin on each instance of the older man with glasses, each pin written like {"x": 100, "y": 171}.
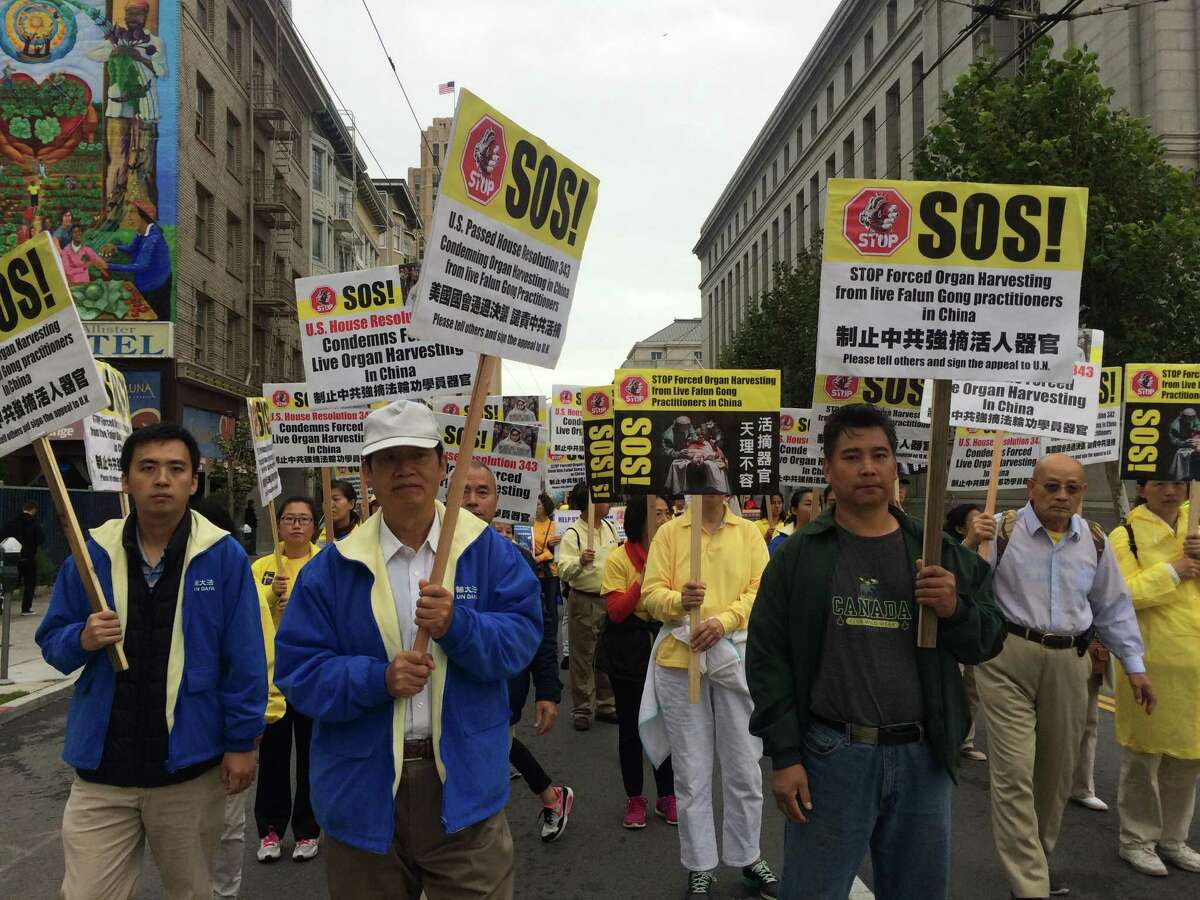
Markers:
{"x": 1057, "y": 584}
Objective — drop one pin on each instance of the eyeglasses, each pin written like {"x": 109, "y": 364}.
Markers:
{"x": 1073, "y": 488}
{"x": 296, "y": 520}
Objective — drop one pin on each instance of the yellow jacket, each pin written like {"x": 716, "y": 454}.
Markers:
{"x": 571, "y": 569}
{"x": 1168, "y": 613}
{"x": 542, "y": 533}
{"x": 732, "y": 564}
{"x": 263, "y": 570}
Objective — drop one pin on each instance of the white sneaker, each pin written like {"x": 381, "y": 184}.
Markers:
{"x": 1092, "y": 802}
{"x": 1143, "y": 860}
{"x": 1181, "y": 857}
{"x": 268, "y": 847}
{"x": 305, "y": 850}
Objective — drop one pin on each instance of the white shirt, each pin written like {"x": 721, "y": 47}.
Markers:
{"x": 406, "y": 568}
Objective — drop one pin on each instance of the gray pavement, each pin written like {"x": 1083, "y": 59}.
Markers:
{"x": 595, "y": 858}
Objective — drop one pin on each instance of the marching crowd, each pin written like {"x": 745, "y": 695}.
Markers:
{"x": 393, "y": 664}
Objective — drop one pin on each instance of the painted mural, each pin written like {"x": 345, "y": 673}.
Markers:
{"x": 88, "y": 144}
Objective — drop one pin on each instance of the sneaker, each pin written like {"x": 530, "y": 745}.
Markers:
{"x": 306, "y": 849}
{"x": 760, "y": 878}
{"x": 1090, "y": 801}
{"x": 635, "y": 813}
{"x": 1143, "y": 860}
{"x": 27, "y": 612}
{"x": 1181, "y": 857}
{"x": 268, "y": 848}
{"x": 513, "y": 774}
{"x": 665, "y": 807}
{"x": 700, "y": 884}
{"x": 554, "y": 818}
{"x": 973, "y": 754}
{"x": 1058, "y": 887}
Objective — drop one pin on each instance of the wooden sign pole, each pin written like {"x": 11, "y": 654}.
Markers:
{"x": 993, "y": 488}
{"x": 896, "y": 493}
{"x": 454, "y": 492}
{"x": 275, "y": 537}
{"x": 935, "y": 500}
{"x": 327, "y": 503}
{"x": 75, "y": 540}
{"x": 696, "y": 502}
{"x": 124, "y": 500}
{"x": 591, "y": 514}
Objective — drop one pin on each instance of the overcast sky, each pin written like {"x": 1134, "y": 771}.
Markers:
{"x": 660, "y": 100}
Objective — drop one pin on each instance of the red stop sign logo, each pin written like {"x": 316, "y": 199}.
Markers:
{"x": 281, "y": 398}
{"x": 786, "y": 423}
{"x": 877, "y": 221}
{"x": 1145, "y": 383}
{"x": 484, "y": 159}
{"x": 841, "y": 387}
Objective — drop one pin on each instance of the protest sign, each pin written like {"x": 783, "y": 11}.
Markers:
{"x": 105, "y": 432}
{"x": 523, "y": 409}
{"x": 899, "y": 397}
{"x": 971, "y": 460}
{"x": 951, "y": 280}
{"x": 797, "y": 464}
{"x": 1161, "y": 425}
{"x": 563, "y": 473}
{"x": 305, "y": 437}
{"x": 684, "y": 431}
{"x": 269, "y": 486}
{"x": 1105, "y": 446}
{"x": 358, "y": 347}
{"x": 566, "y": 419}
{"x": 598, "y": 444}
{"x": 1066, "y": 410}
{"x": 507, "y": 236}
{"x": 514, "y": 453}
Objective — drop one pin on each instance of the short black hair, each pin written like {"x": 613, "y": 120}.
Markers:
{"x": 857, "y": 417}
{"x": 636, "y": 510}
{"x": 159, "y": 433}
{"x": 957, "y": 518}
{"x": 346, "y": 488}
{"x": 548, "y": 504}
{"x": 301, "y": 498}
{"x": 797, "y": 496}
{"x": 578, "y": 497}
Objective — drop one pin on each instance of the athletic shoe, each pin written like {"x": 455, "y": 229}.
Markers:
{"x": 607, "y": 716}
{"x": 582, "y": 723}
{"x": 969, "y": 752}
{"x": 565, "y": 665}
{"x": 635, "y": 813}
{"x": 1058, "y": 887}
{"x": 665, "y": 807}
{"x": 268, "y": 848}
{"x": 1181, "y": 857}
{"x": 700, "y": 885}
{"x": 1090, "y": 801}
{"x": 513, "y": 774}
{"x": 554, "y": 818}
{"x": 27, "y": 612}
{"x": 306, "y": 849}
{"x": 1143, "y": 860}
{"x": 760, "y": 878}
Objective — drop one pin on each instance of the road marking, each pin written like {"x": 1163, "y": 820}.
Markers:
{"x": 860, "y": 891}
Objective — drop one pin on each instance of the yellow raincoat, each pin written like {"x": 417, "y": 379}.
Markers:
{"x": 1169, "y": 616}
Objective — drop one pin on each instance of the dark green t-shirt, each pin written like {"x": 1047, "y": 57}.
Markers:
{"x": 868, "y": 672}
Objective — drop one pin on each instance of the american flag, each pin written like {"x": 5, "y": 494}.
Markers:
{"x": 447, "y": 88}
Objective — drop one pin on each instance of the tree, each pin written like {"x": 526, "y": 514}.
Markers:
{"x": 1052, "y": 122}
{"x": 237, "y": 476}
{"x": 780, "y": 331}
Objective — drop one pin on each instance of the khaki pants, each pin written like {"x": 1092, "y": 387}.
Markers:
{"x": 106, "y": 828}
{"x": 968, "y": 680}
{"x": 590, "y": 690}
{"x": 1035, "y": 706}
{"x": 1156, "y": 799}
{"x": 227, "y": 872}
{"x": 1083, "y": 784}
{"x": 473, "y": 864}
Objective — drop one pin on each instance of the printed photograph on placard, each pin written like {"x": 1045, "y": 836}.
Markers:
{"x": 514, "y": 440}
{"x": 1161, "y": 429}
{"x": 522, "y": 410}
{"x": 515, "y": 455}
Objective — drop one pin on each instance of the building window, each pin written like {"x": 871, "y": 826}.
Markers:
{"x": 204, "y": 111}
{"x": 869, "y": 48}
{"x": 204, "y": 221}
{"x": 754, "y": 198}
{"x": 891, "y": 131}
{"x": 918, "y": 99}
{"x": 848, "y": 156}
{"x": 318, "y": 170}
{"x": 799, "y": 141}
{"x": 774, "y": 174}
{"x": 800, "y": 210}
{"x": 202, "y": 339}
{"x": 775, "y": 243}
{"x": 814, "y": 200}
{"x": 736, "y": 227}
{"x": 235, "y": 364}
{"x": 318, "y": 239}
{"x": 204, "y": 15}
{"x": 892, "y": 18}
{"x": 764, "y": 188}
{"x": 787, "y": 157}
{"x": 233, "y": 244}
{"x": 656, "y": 356}
{"x": 848, "y": 76}
{"x": 868, "y": 144}
{"x": 766, "y": 284}
{"x": 812, "y": 124}
{"x": 233, "y": 144}
{"x": 260, "y": 266}
{"x": 829, "y": 101}
{"x": 754, "y": 269}
{"x": 787, "y": 235}
{"x": 830, "y": 168}
{"x": 233, "y": 44}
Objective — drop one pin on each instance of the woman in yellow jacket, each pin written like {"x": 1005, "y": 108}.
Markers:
{"x": 1161, "y": 760}
{"x": 273, "y": 803}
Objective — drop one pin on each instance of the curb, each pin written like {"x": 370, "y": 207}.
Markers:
{"x": 32, "y": 702}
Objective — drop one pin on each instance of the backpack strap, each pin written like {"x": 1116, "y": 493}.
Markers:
{"x": 1098, "y": 538}
{"x": 1004, "y": 533}
{"x": 1132, "y": 540}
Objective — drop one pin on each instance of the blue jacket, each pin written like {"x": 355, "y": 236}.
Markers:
{"x": 151, "y": 265}
{"x": 338, "y": 633}
{"x": 217, "y": 669}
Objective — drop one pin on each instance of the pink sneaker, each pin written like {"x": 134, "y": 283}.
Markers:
{"x": 635, "y": 813}
{"x": 665, "y": 807}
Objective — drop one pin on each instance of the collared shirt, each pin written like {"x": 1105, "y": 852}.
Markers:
{"x": 152, "y": 573}
{"x": 571, "y": 569}
{"x": 406, "y": 568}
{"x": 1063, "y": 589}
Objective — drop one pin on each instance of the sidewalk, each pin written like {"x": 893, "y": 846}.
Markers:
{"x": 28, "y": 671}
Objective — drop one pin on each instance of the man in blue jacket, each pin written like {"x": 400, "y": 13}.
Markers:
{"x": 157, "y": 747}
{"x": 409, "y": 758}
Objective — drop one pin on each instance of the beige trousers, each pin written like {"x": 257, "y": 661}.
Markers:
{"x": 1035, "y": 706}
{"x": 590, "y": 690}
{"x": 1156, "y": 799}
{"x": 1083, "y": 783}
{"x": 968, "y": 680}
{"x": 106, "y": 828}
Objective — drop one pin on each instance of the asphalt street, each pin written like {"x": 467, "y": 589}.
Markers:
{"x": 595, "y": 858}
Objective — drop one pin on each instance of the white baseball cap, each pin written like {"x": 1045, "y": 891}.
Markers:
{"x": 402, "y": 423}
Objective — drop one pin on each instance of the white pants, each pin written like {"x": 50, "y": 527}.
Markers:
{"x": 227, "y": 873}
{"x": 718, "y": 727}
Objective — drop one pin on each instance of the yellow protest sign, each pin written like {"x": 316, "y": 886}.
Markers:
{"x": 596, "y": 409}
{"x": 900, "y": 397}
{"x": 1161, "y": 440}
{"x": 269, "y": 485}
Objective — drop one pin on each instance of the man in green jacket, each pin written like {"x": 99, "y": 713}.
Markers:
{"x": 862, "y": 727}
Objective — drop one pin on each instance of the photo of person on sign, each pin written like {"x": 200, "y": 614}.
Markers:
{"x": 512, "y": 440}
{"x": 522, "y": 410}
{"x": 1184, "y": 434}
{"x": 696, "y": 457}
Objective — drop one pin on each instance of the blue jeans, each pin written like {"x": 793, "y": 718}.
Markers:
{"x": 894, "y": 800}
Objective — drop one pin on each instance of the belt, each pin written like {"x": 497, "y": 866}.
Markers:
{"x": 886, "y": 735}
{"x": 419, "y": 749}
{"x": 1053, "y": 641}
